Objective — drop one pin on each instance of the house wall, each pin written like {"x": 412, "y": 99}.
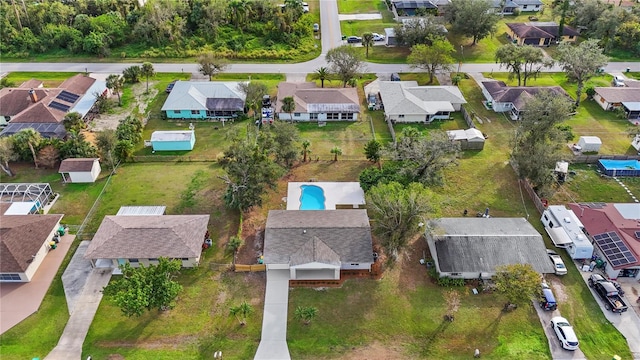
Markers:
{"x": 186, "y": 262}
{"x": 95, "y": 170}
{"x": 37, "y": 260}
{"x": 173, "y": 145}
{"x": 186, "y": 114}
{"x": 502, "y": 107}
{"x": 307, "y": 117}
{"x": 314, "y": 274}
{"x": 81, "y": 177}
{"x": 357, "y": 266}
{"x": 416, "y": 118}
{"x": 471, "y": 145}
{"x": 528, "y": 8}
{"x": 603, "y": 102}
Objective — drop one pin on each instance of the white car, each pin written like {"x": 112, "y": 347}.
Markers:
{"x": 565, "y": 333}
{"x": 305, "y": 7}
{"x": 377, "y": 37}
{"x": 558, "y": 264}
{"x": 618, "y": 81}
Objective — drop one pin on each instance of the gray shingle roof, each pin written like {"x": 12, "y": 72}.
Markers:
{"x": 21, "y": 236}
{"x": 406, "y": 97}
{"x": 618, "y": 94}
{"x": 518, "y": 95}
{"x": 482, "y": 244}
{"x": 172, "y": 236}
{"x": 345, "y": 232}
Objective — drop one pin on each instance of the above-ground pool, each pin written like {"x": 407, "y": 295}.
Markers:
{"x": 619, "y": 167}
{"x": 311, "y": 198}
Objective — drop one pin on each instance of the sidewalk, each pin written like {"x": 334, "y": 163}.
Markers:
{"x": 70, "y": 344}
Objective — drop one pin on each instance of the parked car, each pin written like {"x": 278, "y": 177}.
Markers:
{"x": 316, "y": 27}
{"x": 609, "y": 294}
{"x": 395, "y": 77}
{"x": 564, "y": 332}
{"x": 618, "y": 81}
{"x": 558, "y": 264}
{"x": 547, "y": 300}
{"x": 354, "y": 40}
{"x": 378, "y": 37}
{"x": 170, "y": 86}
{"x": 305, "y": 7}
{"x": 266, "y": 101}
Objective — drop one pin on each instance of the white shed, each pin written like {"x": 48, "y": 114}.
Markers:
{"x": 589, "y": 143}
{"x": 636, "y": 143}
{"x": 80, "y": 170}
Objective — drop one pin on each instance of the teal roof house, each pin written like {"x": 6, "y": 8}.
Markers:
{"x": 173, "y": 140}
{"x": 204, "y": 100}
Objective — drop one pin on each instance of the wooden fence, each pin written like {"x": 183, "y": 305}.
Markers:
{"x": 592, "y": 159}
{"x": 540, "y": 206}
{"x": 467, "y": 117}
{"x": 393, "y": 132}
{"x": 250, "y": 268}
{"x": 172, "y": 158}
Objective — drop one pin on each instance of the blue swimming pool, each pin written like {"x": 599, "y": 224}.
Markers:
{"x": 311, "y": 198}
{"x": 619, "y": 167}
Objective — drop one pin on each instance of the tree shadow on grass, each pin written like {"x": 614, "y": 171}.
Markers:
{"x": 429, "y": 339}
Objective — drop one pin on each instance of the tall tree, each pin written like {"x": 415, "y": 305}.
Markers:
{"x": 147, "y": 71}
{"x": 396, "y": 212}
{"x": 422, "y": 30}
{"x": 336, "y": 151}
{"x": 306, "y": 313}
{"x": 322, "y": 74}
{"x": 7, "y": 154}
{"x": 76, "y": 146}
{"x": 32, "y": 139}
{"x": 518, "y": 282}
{"x": 367, "y": 42}
{"x": 106, "y": 141}
{"x": 48, "y": 156}
{"x": 437, "y": 57}
{"x": 210, "y": 64}
{"x": 241, "y": 312}
{"x": 473, "y": 18}
{"x": 346, "y": 62}
{"x": 373, "y": 151}
{"x": 538, "y": 140}
{"x": 132, "y": 74}
{"x": 581, "y": 62}
{"x": 522, "y": 62}
{"x": 281, "y": 140}
{"x": 115, "y": 83}
{"x": 563, "y": 17}
{"x": 305, "y": 150}
{"x": 253, "y": 91}
{"x": 288, "y": 106}
{"x": 233, "y": 245}
{"x": 422, "y": 158}
{"x": 73, "y": 122}
{"x": 146, "y": 287}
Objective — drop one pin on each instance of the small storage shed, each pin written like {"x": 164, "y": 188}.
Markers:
{"x": 80, "y": 170}
{"x": 470, "y": 139}
{"x": 636, "y": 143}
{"x": 589, "y": 143}
{"x": 173, "y": 140}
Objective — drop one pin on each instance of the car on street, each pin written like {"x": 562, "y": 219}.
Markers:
{"x": 170, "y": 86}
{"x": 354, "y": 40}
{"x": 377, "y": 37}
{"x": 564, "y": 332}
{"x": 558, "y": 264}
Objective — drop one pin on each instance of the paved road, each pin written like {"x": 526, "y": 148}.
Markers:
{"x": 329, "y": 26}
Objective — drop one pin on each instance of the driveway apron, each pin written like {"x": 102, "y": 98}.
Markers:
{"x": 273, "y": 345}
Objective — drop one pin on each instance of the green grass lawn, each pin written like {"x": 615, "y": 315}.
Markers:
{"x": 359, "y": 27}
{"x": 50, "y": 79}
{"x": 588, "y": 186}
{"x": 361, "y": 6}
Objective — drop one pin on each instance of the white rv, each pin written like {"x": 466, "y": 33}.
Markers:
{"x": 566, "y": 231}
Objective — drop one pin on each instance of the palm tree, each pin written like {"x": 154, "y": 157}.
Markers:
{"x": 115, "y": 83}
{"x": 306, "y": 313}
{"x": 336, "y": 151}
{"x": 305, "y": 149}
{"x": 367, "y": 41}
{"x": 241, "y": 312}
{"x": 73, "y": 121}
{"x": 288, "y": 106}
{"x": 322, "y": 74}
{"x": 233, "y": 245}
{"x": 147, "y": 70}
{"x": 30, "y": 137}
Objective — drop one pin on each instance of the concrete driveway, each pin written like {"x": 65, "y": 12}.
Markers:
{"x": 557, "y": 352}
{"x": 273, "y": 344}
{"x": 20, "y": 300}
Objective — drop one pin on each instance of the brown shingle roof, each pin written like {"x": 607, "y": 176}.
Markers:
{"x": 545, "y": 31}
{"x": 15, "y": 100}
{"x": 21, "y": 236}
{"x": 31, "y": 84}
{"x": 77, "y": 84}
{"x": 145, "y": 237}
{"x": 518, "y": 95}
{"x": 619, "y": 94}
{"x": 305, "y": 94}
{"x": 39, "y": 113}
{"x": 76, "y": 165}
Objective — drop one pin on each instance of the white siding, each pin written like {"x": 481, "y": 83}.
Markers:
{"x": 602, "y": 102}
{"x": 418, "y": 118}
{"x": 307, "y": 117}
{"x": 95, "y": 170}
{"x": 356, "y": 266}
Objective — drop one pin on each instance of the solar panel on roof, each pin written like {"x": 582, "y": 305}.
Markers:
{"x": 614, "y": 248}
{"x": 67, "y": 96}
{"x": 59, "y": 106}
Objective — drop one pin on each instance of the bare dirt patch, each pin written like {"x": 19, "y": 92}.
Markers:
{"x": 141, "y": 101}
{"x": 375, "y": 351}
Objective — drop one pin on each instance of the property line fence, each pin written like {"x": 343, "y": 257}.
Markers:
{"x": 592, "y": 159}
{"x": 537, "y": 202}
{"x": 173, "y": 158}
{"x": 250, "y": 268}
{"x": 393, "y": 132}
{"x": 467, "y": 117}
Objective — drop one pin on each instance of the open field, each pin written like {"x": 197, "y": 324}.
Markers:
{"x": 361, "y": 6}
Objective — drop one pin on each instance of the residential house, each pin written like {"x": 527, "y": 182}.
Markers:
{"x": 204, "y": 100}
{"x": 472, "y": 248}
{"x": 80, "y": 170}
{"x": 318, "y": 104}
{"x": 405, "y": 101}
{"x": 43, "y": 109}
{"x": 470, "y": 139}
{"x": 318, "y": 244}
{"x": 401, "y": 8}
{"x": 142, "y": 239}
{"x": 173, "y": 140}
{"x": 539, "y": 33}
{"x": 614, "y": 229}
{"x": 506, "y": 7}
{"x": 513, "y": 99}
{"x": 626, "y": 98}
{"x": 25, "y": 241}
{"x": 529, "y": 5}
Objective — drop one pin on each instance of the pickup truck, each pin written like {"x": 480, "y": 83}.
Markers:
{"x": 608, "y": 293}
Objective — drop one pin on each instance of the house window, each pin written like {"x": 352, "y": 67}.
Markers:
{"x": 7, "y": 118}
{"x": 10, "y": 277}
{"x": 355, "y": 264}
{"x": 313, "y": 116}
{"x": 348, "y": 116}
{"x": 176, "y": 111}
{"x": 333, "y": 116}
{"x": 153, "y": 259}
{"x": 195, "y": 112}
{"x": 571, "y": 37}
{"x": 401, "y": 116}
{"x": 296, "y": 114}
{"x": 184, "y": 259}
{"x": 133, "y": 261}
{"x": 524, "y": 6}
{"x": 455, "y": 274}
